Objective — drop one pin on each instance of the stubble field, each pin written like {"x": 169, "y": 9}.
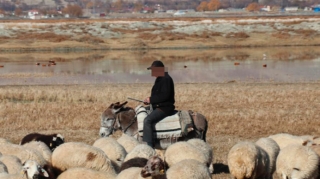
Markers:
{"x": 235, "y": 111}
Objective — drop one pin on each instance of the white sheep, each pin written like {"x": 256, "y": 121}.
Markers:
{"x": 205, "y": 148}
{"x": 41, "y": 147}
{"x": 284, "y": 139}
{"x": 77, "y": 154}
{"x": 4, "y": 141}
{"x": 115, "y": 152}
{"x": 272, "y": 149}
{"x": 142, "y": 151}
{"x": 188, "y": 169}
{"x": 78, "y": 173}
{"x": 13, "y": 163}
{"x": 30, "y": 170}
{"x": 185, "y": 169}
{"x": 3, "y": 168}
{"x": 248, "y": 160}
{"x": 22, "y": 153}
{"x": 128, "y": 142}
{"x": 183, "y": 150}
{"x": 297, "y": 162}
{"x": 132, "y": 173}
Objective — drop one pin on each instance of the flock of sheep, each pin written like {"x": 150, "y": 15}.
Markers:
{"x": 288, "y": 156}
{"x": 284, "y": 155}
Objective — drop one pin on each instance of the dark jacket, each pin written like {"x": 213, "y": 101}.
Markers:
{"x": 162, "y": 94}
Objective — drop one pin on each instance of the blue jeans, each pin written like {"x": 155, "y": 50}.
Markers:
{"x": 149, "y": 124}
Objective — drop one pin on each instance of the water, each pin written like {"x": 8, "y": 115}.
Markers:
{"x": 299, "y": 64}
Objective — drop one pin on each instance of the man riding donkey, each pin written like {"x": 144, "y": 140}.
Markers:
{"x": 161, "y": 100}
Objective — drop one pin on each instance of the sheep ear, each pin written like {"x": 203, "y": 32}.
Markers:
{"x": 43, "y": 172}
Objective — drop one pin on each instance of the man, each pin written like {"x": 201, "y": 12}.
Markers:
{"x": 161, "y": 99}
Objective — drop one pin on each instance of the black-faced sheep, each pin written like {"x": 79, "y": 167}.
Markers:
{"x": 51, "y": 140}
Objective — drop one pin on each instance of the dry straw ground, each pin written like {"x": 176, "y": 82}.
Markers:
{"x": 236, "y": 111}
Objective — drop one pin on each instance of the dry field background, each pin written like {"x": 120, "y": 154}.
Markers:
{"x": 158, "y": 33}
{"x": 235, "y": 111}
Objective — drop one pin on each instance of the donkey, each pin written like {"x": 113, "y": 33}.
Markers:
{"x": 118, "y": 117}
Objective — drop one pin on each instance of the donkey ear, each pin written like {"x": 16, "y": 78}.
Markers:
{"x": 123, "y": 103}
{"x": 111, "y": 106}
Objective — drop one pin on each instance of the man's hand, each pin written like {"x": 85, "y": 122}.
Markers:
{"x": 146, "y": 101}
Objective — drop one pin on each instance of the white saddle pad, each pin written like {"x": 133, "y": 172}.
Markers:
{"x": 168, "y": 127}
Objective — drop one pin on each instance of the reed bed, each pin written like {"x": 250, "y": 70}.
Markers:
{"x": 235, "y": 111}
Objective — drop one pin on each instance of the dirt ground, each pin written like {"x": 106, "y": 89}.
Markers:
{"x": 162, "y": 33}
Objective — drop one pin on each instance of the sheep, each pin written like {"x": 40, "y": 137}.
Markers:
{"x": 3, "y": 168}
{"x": 78, "y": 172}
{"x": 248, "y": 160}
{"x": 186, "y": 169}
{"x": 298, "y": 162}
{"x": 272, "y": 149}
{"x": 4, "y": 141}
{"x": 77, "y": 154}
{"x": 142, "y": 151}
{"x": 13, "y": 163}
{"x": 22, "y": 153}
{"x": 115, "y": 152}
{"x": 41, "y": 147}
{"x": 205, "y": 148}
{"x": 30, "y": 169}
{"x": 128, "y": 142}
{"x": 132, "y": 173}
{"x": 184, "y": 150}
{"x": 134, "y": 162}
{"x": 51, "y": 140}
{"x": 284, "y": 139}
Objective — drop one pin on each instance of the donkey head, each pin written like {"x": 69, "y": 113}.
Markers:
{"x": 109, "y": 121}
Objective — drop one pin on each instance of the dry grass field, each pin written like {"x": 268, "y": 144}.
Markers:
{"x": 235, "y": 111}
{"x": 158, "y": 33}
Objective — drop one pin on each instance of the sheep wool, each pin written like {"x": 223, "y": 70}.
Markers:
{"x": 22, "y": 153}
{"x": 132, "y": 173}
{"x": 284, "y": 139}
{"x": 3, "y": 168}
{"x": 141, "y": 151}
{"x": 188, "y": 169}
{"x": 183, "y": 150}
{"x": 128, "y": 142}
{"x": 77, "y": 154}
{"x": 13, "y": 163}
{"x": 78, "y": 172}
{"x": 272, "y": 149}
{"x": 205, "y": 148}
{"x": 298, "y": 162}
{"x": 115, "y": 152}
{"x": 41, "y": 147}
{"x": 247, "y": 160}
